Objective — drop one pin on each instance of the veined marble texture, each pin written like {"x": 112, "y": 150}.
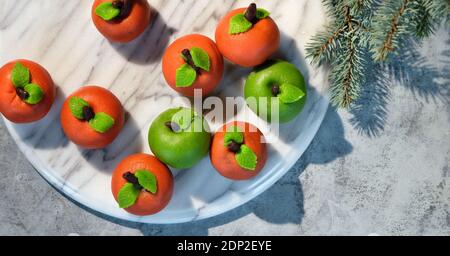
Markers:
{"x": 60, "y": 35}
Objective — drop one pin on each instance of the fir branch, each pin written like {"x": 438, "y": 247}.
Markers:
{"x": 425, "y": 25}
{"x": 389, "y": 26}
{"x": 347, "y": 76}
{"x": 428, "y": 16}
{"x": 343, "y": 46}
{"x": 334, "y": 8}
{"x": 323, "y": 47}
{"x": 348, "y": 72}
{"x": 362, "y": 27}
{"x": 359, "y": 6}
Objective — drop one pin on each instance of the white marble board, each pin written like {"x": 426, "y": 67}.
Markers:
{"x": 60, "y": 35}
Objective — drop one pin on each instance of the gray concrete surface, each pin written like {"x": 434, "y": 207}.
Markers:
{"x": 380, "y": 168}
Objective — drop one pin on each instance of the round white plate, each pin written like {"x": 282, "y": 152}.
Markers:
{"x": 60, "y": 36}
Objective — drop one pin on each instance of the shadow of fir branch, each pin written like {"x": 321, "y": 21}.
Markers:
{"x": 410, "y": 69}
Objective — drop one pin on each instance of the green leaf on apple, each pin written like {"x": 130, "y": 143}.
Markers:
{"x": 262, "y": 13}
{"x": 239, "y": 24}
{"x": 76, "y": 105}
{"x": 200, "y": 58}
{"x": 107, "y": 11}
{"x": 127, "y": 195}
{"x": 246, "y": 158}
{"x": 185, "y": 76}
{"x": 147, "y": 180}
{"x": 290, "y": 93}
{"x": 101, "y": 122}
{"x": 184, "y": 118}
{"x": 20, "y": 75}
{"x": 35, "y": 94}
{"x": 235, "y": 134}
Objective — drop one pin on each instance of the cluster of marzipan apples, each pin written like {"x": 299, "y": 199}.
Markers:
{"x": 92, "y": 117}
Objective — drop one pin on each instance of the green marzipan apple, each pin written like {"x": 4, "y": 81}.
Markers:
{"x": 260, "y": 84}
{"x": 180, "y": 145}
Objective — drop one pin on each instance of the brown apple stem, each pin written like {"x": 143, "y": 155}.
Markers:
{"x": 233, "y": 146}
{"x": 250, "y": 13}
{"x": 88, "y": 113}
{"x": 188, "y": 58}
{"x": 174, "y": 127}
{"x": 23, "y": 95}
{"x": 124, "y": 6}
{"x": 275, "y": 90}
{"x": 129, "y": 177}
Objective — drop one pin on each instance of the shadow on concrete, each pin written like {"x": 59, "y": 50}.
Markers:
{"x": 410, "y": 69}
